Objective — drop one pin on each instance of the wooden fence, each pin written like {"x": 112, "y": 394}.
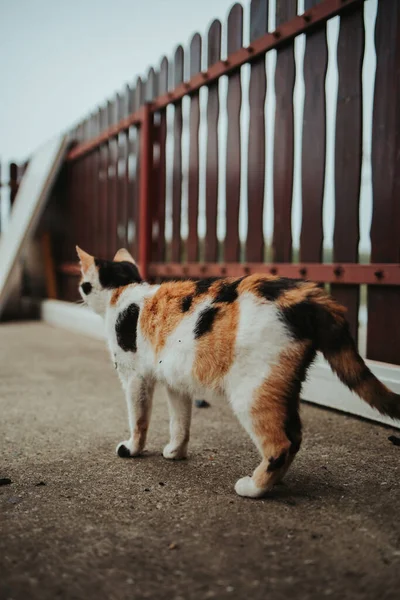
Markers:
{"x": 123, "y": 181}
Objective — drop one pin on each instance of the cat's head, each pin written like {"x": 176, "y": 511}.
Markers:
{"x": 100, "y": 276}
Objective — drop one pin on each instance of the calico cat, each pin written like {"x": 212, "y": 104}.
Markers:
{"x": 251, "y": 339}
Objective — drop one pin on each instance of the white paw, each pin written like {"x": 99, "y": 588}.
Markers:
{"x": 173, "y": 452}
{"x": 246, "y": 487}
{"x": 126, "y": 449}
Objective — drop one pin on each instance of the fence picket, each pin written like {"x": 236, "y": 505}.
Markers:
{"x": 13, "y": 182}
{"x": 193, "y": 190}
{"x": 256, "y": 143}
{"x": 103, "y": 188}
{"x": 213, "y": 56}
{"x": 112, "y": 181}
{"x": 78, "y": 175}
{"x": 122, "y": 170}
{"x": 92, "y": 187}
{"x": 161, "y": 180}
{"x": 348, "y": 155}
{"x": 233, "y": 155}
{"x": 314, "y": 142}
{"x": 284, "y": 140}
{"x": 383, "y": 341}
{"x": 177, "y": 164}
{"x": 139, "y": 101}
{"x": 151, "y": 93}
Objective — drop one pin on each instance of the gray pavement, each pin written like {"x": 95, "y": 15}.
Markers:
{"x": 77, "y": 522}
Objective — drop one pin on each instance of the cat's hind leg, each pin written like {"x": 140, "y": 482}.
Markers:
{"x": 180, "y": 413}
{"x": 139, "y": 399}
{"x": 272, "y": 419}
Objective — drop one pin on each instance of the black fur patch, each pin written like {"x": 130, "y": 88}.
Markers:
{"x": 186, "y": 303}
{"x": 310, "y": 321}
{"x": 86, "y": 287}
{"x": 301, "y": 319}
{"x": 276, "y": 463}
{"x": 203, "y": 285}
{"x": 228, "y": 291}
{"x": 117, "y": 274}
{"x": 205, "y": 321}
{"x": 123, "y": 452}
{"x": 272, "y": 289}
{"x": 125, "y": 328}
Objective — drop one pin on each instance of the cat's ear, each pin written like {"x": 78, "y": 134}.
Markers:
{"x": 85, "y": 259}
{"x": 123, "y": 256}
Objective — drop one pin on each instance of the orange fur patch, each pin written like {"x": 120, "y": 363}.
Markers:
{"x": 252, "y": 282}
{"x": 296, "y": 295}
{"x": 269, "y": 413}
{"x": 162, "y": 312}
{"x": 215, "y": 351}
{"x": 140, "y": 433}
{"x": 116, "y": 294}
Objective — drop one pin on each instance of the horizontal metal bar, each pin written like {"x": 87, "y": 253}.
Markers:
{"x": 80, "y": 150}
{"x": 345, "y": 273}
{"x": 309, "y": 20}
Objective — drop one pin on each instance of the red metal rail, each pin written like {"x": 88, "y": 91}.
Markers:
{"x": 387, "y": 274}
{"x": 81, "y": 150}
{"x": 349, "y": 274}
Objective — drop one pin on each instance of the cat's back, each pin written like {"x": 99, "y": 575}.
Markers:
{"x": 210, "y": 320}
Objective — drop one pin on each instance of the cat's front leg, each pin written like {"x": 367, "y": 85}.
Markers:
{"x": 180, "y": 413}
{"x": 139, "y": 399}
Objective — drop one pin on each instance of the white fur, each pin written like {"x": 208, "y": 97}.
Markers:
{"x": 261, "y": 336}
{"x": 246, "y": 487}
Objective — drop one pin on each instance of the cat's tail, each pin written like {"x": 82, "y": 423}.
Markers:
{"x": 338, "y": 347}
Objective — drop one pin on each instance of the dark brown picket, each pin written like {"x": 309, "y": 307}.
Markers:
{"x": 139, "y": 101}
{"x": 103, "y": 188}
{"x": 13, "y": 175}
{"x": 314, "y": 142}
{"x": 129, "y": 174}
{"x": 177, "y": 164}
{"x": 348, "y": 155}
{"x": 160, "y": 190}
{"x": 284, "y": 140}
{"x": 151, "y": 85}
{"x": 79, "y": 192}
{"x": 256, "y": 146}
{"x": 151, "y": 93}
{"x": 112, "y": 184}
{"x": 122, "y": 171}
{"x": 233, "y": 155}
{"x": 213, "y": 56}
{"x": 193, "y": 188}
{"x": 383, "y": 341}
{"x": 92, "y": 185}
{"x": 85, "y": 200}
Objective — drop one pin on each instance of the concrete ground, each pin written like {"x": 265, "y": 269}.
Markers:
{"x": 78, "y": 522}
